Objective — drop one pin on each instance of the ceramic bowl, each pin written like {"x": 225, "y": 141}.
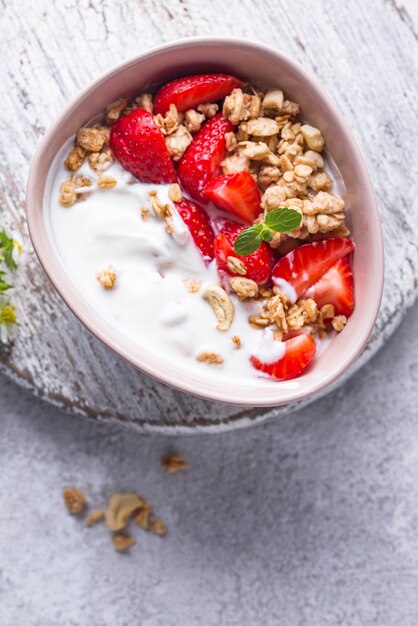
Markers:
{"x": 268, "y": 67}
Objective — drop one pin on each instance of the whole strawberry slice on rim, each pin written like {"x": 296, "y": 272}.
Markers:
{"x": 305, "y": 266}
{"x": 138, "y": 144}
{"x": 235, "y": 193}
{"x": 258, "y": 264}
{"x": 299, "y": 352}
{"x": 336, "y": 287}
{"x": 190, "y": 91}
{"x": 198, "y": 223}
{"x": 202, "y": 160}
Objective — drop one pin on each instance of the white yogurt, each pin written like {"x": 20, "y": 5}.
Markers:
{"x": 150, "y": 303}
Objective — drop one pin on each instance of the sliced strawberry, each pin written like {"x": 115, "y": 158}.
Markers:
{"x": 197, "y": 221}
{"x": 258, "y": 264}
{"x": 202, "y": 160}
{"x": 304, "y": 266}
{"x": 235, "y": 193}
{"x": 336, "y": 287}
{"x": 299, "y": 352}
{"x": 139, "y": 146}
{"x": 190, "y": 91}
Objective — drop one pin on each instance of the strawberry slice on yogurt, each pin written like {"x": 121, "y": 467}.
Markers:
{"x": 283, "y": 360}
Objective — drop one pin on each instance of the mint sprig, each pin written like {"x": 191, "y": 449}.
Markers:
{"x": 6, "y": 250}
{"x": 283, "y": 220}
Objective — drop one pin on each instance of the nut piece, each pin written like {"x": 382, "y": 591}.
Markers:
{"x": 313, "y": 137}
{"x": 210, "y": 357}
{"x": 174, "y": 192}
{"x": 158, "y": 527}
{"x": 338, "y": 322}
{"x": 122, "y": 542}
{"x": 236, "y": 266}
{"x": 106, "y": 182}
{"x": 94, "y": 517}
{"x": 244, "y": 287}
{"x": 92, "y": 139}
{"x": 75, "y": 158}
{"x": 141, "y": 519}
{"x": 239, "y": 106}
{"x": 107, "y": 277}
{"x": 114, "y": 109}
{"x": 222, "y": 306}
{"x": 178, "y": 142}
{"x": 261, "y": 127}
{"x": 273, "y": 99}
{"x": 174, "y": 462}
{"x": 119, "y": 509}
{"x": 74, "y": 499}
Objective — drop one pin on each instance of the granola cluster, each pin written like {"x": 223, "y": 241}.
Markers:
{"x": 284, "y": 157}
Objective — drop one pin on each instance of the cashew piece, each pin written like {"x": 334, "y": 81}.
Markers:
{"x": 222, "y": 306}
{"x": 119, "y": 509}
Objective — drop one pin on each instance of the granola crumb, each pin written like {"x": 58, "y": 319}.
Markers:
{"x": 236, "y": 266}
{"x": 114, "y": 109}
{"x": 158, "y": 527}
{"x": 92, "y": 139}
{"x": 174, "y": 462}
{"x": 107, "y": 277}
{"x": 192, "y": 285}
{"x": 174, "y": 192}
{"x": 100, "y": 161}
{"x": 209, "y": 110}
{"x": 74, "y": 499}
{"x": 106, "y": 182}
{"x": 338, "y": 322}
{"x": 75, "y": 158}
{"x": 237, "y": 342}
{"x": 145, "y": 213}
{"x": 120, "y": 508}
{"x": 142, "y": 517}
{"x": 211, "y": 357}
{"x": 94, "y": 517}
{"x": 244, "y": 287}
{"x": 122, "y": 542}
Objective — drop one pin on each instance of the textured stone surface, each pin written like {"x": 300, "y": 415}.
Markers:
{"x": 310, "y": 519}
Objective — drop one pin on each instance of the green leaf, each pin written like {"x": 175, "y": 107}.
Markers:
{"x": 6, "y": 250}
{"x": 283, "y": 220}
{"x": 266, "y": 234}
{"x": 249, "y": 240}
{"x": 3, "y": 285}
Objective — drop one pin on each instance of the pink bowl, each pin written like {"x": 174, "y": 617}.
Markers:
{"x": 268, "y": 67}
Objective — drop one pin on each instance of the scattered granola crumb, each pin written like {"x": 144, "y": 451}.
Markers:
{"x": 236, "y": 266}
{"x": 144, "y": 101}
{"x": 174, "y": 192}
{"x": 237, "y": 342}
{"x": 209, "y": 110}
{"x": 106, "y": 182}
{"x": 178, "y": 142}
{"x": 122, "y": 542}
{"x": 114, "y": 109}
{"x": 158, "y": 527}
{"x": 211, "y": 357}
{"x": 338, "y": 322}
{"x": 92, "y": 139}
{"x": 100, "y": 161}
{"x": 142, "y": 517}
{"x": 74, "y": 499}
{"x": 192, "y": 285}
{"x": 144, "y": 213}
{"x": 94, "y": 517}
{"x": 174, "y": 462}
{"x": 244, "y": 287}
{"x": 193, "y": 120}
{"x": 107, "y": 277}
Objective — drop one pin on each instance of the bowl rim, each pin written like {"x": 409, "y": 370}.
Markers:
{"x": 113, "y": 338}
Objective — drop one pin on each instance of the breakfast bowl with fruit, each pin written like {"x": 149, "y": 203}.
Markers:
{"x": 204, "y": 211}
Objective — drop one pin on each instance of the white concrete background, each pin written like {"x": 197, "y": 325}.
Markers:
{"x": 309, "y": 520}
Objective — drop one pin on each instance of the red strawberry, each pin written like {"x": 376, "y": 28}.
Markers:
{"x": 190, "y": 91}
{"x": 202, "y": 160}
{"x": 139, "y": 146}
{"x": 336, "y": 288}
{"x": 299, "y": 353}
{"x": 235, "y": 193}
{"x": 304, "y": 266}
{"x": 197, "y": 221}
{"x": 258, "y": 264}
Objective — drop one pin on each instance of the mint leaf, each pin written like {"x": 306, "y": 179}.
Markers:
{"x": 3, "y": 285}
{"x": 6, "y": 250}
{"x": 249, "y": 240}
{"x": 266, "y": 234}
{"x": 283, "y": 220}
